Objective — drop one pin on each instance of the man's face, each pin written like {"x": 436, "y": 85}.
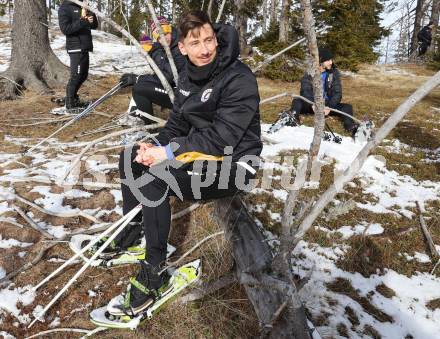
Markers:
{"x": 327, "y": 64}
{"x": 200, "y": 45}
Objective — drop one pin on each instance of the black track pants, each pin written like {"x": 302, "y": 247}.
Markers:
{"x": 302, "y": 107}
{"x": 157, "y": 219}
{"x": 79, "y": 71}
{"x": 148, "y": 91}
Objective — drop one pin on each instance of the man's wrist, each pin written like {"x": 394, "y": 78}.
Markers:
{"x": 169, "y": 152}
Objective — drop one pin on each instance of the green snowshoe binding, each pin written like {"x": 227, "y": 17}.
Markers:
{"x": 124, "y": 312}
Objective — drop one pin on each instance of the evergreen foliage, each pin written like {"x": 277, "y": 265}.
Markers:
{"x": 137, "y": 19}
{"x": 283, "y": 67}
{"x": 354, "y": 30}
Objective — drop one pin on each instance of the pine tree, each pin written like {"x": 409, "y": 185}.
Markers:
{"x": 117, "y": 8}
{"x": 354, "y": 31}
{"x": 137, "y": 19}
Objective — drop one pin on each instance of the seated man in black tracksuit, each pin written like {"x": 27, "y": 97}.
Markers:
{"x": 148, "y": 88}
{"x": 332, "y": 90}
{"x": 76, "y": 23}
{"x": 424, "y": 38}
{"x": 213, "y": 130}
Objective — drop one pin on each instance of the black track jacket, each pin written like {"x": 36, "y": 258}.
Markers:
{"x": 76, "y": 30}
{"x": 333, "y": 87}
{"x": 223, "y": 112}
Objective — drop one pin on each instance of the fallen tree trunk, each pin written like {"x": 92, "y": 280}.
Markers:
{"x": 253, "y": 258}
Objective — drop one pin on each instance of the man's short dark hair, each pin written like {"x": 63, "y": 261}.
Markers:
{"x": 191, "y": 22}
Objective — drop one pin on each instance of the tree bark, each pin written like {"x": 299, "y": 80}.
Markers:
{"x": 33, "y": 63}
{"x": 264, "y": 22}
{"x": 241, "y": 24}
{"x": 273, "y": 12}
{"x": 434, "y": 19}
{"x": 417, "y": 24}
{"x": 253, "y": 258}
{"x": 220, "y": 12}
{"x": 309, "y": 29}
{"x": 99, "y": 7}
{"x": 284, "y": 22}
{"x": 49, "y": 13}
{"x": 210, "y": 9}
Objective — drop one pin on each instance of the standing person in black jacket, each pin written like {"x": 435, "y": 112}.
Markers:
{"x": 332, "y": 90}
{"x": 147, "y": 89}
{"x": 425, "y": 37}
{"x": 213, "y": 131}
{"x": 76, "y": 24}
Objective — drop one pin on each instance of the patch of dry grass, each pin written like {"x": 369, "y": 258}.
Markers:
{"x": 343, "y": 286}
{"x": 433, "y": 304}
{"x": 385, "y": 291}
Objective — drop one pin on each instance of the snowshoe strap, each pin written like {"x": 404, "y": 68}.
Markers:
{"x": 144, "y": 289}
{"x": 128, "y": 310}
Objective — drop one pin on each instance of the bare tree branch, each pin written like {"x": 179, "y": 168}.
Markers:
{"x": 426, "y": 233}
{"x": 61, "y": 215}
{"x": 32, "y": 223}
{"x": 105, "y": 137}
{"x": 75, "y": 330}
{"x": 28, "y": 265}
{"x": 192, "y": 249}
{"x": 220, "y": 12}
{"x": 314, "y": 71}
{"x": 208, "y": 288}
{"x": 264, "y": 63}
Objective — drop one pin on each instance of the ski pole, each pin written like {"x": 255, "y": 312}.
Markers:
{"x": 336, "y": 139}
{"x": 100, "y": 130}
{"x": 129, "y": 215}
{"x": 128, "y": 218}
{"x": 330, "y": 130}
{"x": 89, "y": 109}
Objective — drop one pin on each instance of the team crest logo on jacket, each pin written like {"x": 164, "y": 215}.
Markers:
{"x": 185, "y": 93}
{"x": 206, "y": 94}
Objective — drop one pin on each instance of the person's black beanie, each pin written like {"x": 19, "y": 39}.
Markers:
{"x": 324, "y": 54}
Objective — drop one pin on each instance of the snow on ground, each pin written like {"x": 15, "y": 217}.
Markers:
{"x": 393, "y": 193}
{"x": 6, "y": 335}
{"x": 349, "y": 231}
{"x": 407, "y": 308}
{"x": 11, "y": 297}
{"x": 8, "y": 243}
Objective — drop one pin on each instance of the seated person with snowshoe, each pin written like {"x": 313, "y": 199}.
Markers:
{"x": 332, "y": 91}
{"x": 147, "y": 89}
{"x": 214, "y": 126}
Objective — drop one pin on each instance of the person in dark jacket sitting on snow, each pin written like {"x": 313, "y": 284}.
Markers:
{"x": 213, "y": 135}
{"x": 332, "y": 90}
{"x": 76, "y": 24}
{"x": 147, "y": 89}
